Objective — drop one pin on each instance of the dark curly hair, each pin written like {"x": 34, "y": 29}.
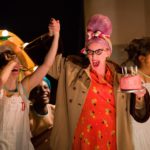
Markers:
{"x": 136, "y": 48}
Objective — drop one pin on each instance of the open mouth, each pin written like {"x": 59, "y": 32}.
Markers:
{"x": 95, "y": 63}
{"x": 15, "y": 70}
{"x": 45, "y": 96}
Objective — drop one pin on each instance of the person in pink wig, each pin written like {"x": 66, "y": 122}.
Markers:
{"x": 91, "y": 113}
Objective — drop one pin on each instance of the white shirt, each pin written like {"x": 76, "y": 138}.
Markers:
{"x": 141, "y": 131}
{"x": 14, "y": 122}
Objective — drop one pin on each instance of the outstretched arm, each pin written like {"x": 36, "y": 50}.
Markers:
{"x": 35, "y": 78}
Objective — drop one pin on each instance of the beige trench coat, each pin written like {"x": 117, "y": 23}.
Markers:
{"x": 73, "y": 85}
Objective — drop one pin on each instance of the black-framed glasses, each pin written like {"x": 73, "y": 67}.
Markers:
{"x": 92, "y": 52}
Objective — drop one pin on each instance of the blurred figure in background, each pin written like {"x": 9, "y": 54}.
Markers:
{"x": 41, "y": 115}
{"x": 138, "y": 51}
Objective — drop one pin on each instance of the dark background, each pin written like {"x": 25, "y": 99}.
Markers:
{"x": 29, "y": 19}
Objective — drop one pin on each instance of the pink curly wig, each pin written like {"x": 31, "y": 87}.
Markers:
{"x": 99, "y": 29}
{"x": 101, "y": 23}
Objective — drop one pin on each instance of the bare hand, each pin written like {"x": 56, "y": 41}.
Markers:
{"x": 11, "y": 64}
{"x": 54, "y": 27}
{"x": 140, "y": 94}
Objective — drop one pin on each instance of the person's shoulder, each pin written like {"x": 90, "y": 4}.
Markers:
{"x": 51, "y": 106}
{"x": 78, "y": 60}
{"x": 114, "y": 66}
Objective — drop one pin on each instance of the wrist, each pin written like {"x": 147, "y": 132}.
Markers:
{"x": 56, "y": 34}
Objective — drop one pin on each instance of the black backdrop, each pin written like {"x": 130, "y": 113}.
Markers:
{"x": 29, "y": 19}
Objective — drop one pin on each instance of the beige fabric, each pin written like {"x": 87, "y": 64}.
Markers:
{"x": 73, "y": 85}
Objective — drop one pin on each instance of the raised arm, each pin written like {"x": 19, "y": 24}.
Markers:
{"x": 35, "y": 78}
{"x": 6, "y": 71}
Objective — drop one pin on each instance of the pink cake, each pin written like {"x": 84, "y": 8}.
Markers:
{"x": 131, "y": 82}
